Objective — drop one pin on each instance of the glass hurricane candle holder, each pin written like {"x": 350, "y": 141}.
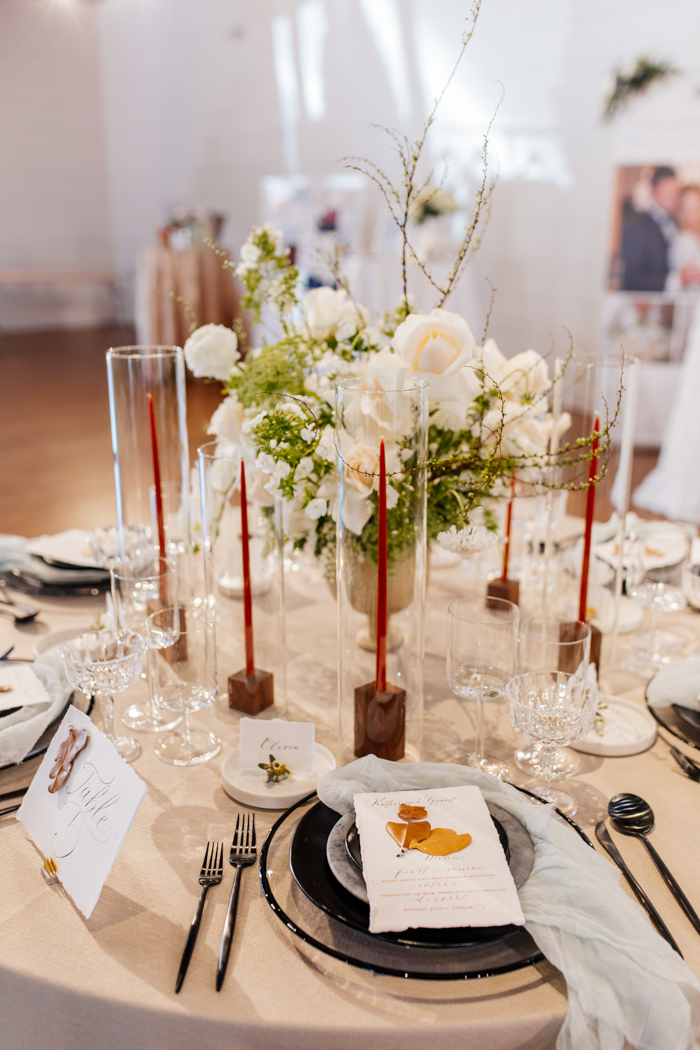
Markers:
{"x": 151, "y": 453}
{"x": 388, "y": 724}
{"x": 222, "y": 529}
{"x": 102, "y": 663}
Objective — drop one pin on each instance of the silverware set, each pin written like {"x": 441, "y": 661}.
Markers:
{"x": 242, "y": 854}
{"x": 631, "y": 815}
{"x": 687, "y": 764}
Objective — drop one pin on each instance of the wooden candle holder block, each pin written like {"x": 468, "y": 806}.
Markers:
{"x": 569, "y": 632}
{"x": 508, "y": 590}
{"x": 596, "y": 641}
{"x": 380, "y": 721}
{"x": 251, "y": 694}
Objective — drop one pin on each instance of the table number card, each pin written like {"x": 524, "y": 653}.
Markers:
{"x": 290, "y": 742}
{"x": 83, "y": 824}
{"x": 433, "y": 859}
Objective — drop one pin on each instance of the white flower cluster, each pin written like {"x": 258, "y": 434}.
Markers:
{"x": 250, "y": 251}
{"x": 466, "y": 541}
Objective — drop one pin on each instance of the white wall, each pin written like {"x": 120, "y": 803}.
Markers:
{"x": 54, "y": 206}
{"x": 190, "y": 111}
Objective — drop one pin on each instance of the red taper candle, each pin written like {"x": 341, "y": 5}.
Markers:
{"x": 162, "y": 557}
{"x": 509, "y": 521}
{"x": 247, "y": 591}
{"x": 381, "y": 575}
{"x": 590, "y": 506}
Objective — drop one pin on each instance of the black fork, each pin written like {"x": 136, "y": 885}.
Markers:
{"x": 243, "y": 853}
{"x": 210, "y": 875}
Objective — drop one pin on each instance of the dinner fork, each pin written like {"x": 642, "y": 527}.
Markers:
{"x": 243, "y": 853}
{"x": 210, "y": 875}
{"x": 689, "y": 767}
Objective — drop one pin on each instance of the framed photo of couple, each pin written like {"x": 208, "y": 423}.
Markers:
{"x": 654, "y": 270}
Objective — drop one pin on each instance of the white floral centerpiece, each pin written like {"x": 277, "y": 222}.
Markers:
{"x": 489, "y": 416}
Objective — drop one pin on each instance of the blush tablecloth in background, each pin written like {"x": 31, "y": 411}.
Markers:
{"x": 198, "y": 277}
{"x": 108, "y": 982}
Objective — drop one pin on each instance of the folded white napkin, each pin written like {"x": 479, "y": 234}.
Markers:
{"x": 21, "y": 730}
{"x": 626, "y": 986}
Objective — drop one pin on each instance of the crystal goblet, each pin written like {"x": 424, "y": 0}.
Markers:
{"x": 102, "y": 663}
{"x": 552, "y": 708}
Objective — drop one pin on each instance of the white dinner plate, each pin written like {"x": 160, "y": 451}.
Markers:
{"x": 55, "y": 639}
{"x": 627, "y": 729}
{"x": 250, "y": 788}
{"x": 71, "y": 547}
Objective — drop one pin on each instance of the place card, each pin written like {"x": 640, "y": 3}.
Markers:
{"x": 20, "y": 687}
{"x": 83, "y": 824}
{"x": 433, "y": 859}
{"x": 292, "y": 743}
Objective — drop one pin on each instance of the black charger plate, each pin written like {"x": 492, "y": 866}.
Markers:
{"x": 665, "y": 694}
{"x": 343, "y": 944}
{"x": 309, "y": 865}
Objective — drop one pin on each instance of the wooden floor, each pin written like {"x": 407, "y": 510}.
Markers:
{"x": 56, "y": 452}
{"x": 56, "y": 469}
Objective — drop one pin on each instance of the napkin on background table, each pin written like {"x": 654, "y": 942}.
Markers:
{"x": 21, "y": 730}
{"x": 14, "y": 555}
{"x": 626, "y": 985}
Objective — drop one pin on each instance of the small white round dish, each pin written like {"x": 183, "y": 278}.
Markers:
{"x": 251, "y": 789}
{"x": 627, "y": 729}
{"x": 55, "y": 639}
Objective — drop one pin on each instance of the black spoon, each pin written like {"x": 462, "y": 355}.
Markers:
{"x": 631, "y": 815}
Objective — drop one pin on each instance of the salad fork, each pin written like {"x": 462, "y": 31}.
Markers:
{"x": 243, "y": 853}
{"x": 210, "y": 875}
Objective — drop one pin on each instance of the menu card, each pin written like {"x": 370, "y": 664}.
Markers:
{"x": 433, "y": 859}
{"x": 82, "y": 823}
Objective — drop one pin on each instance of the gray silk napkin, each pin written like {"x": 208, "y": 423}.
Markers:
{"x": 626, "y": 986}
{"x": 21, "y": 730}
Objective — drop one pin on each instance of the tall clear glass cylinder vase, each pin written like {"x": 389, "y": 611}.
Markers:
{"x": 222, "y": 529}
{"x": 603, "y": 388}
{"x": 387, "y": 723}
{"x": 151, "y": 453}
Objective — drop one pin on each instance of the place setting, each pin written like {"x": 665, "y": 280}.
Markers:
{"x": 360, "y": 705}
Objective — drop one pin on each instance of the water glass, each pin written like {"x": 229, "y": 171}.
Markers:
{"x": 552, "y": 708}
{"x": 102, "y": 663}
{"x": 137, "y": 596}
{"x": 183, "y": 679}
{"x": 481, "y": 660}
{"x": 552, "y": 645}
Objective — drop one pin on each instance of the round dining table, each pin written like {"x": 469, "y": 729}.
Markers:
{"x": 108, "y": 982}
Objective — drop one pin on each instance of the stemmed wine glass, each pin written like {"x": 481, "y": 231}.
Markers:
{"x": 102, "y": 663}
{"x": 552, "y": 708}
{"x": 556, "y": 644}
{"x": 481, "y": 659}
{"x": 183, "y": 677}
{"x": 106, "y": 546}
{"x": 136, "y": 596}
{"x": 659, "y": 553}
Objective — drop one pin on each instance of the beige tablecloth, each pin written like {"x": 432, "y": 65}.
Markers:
{"x": 198, "y": 277}
{"x": 108, "y": 983}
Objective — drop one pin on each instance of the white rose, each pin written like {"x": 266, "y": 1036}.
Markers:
{"x": 227, "y": 421}
{"x": 361, "y": 467}
{"x": 435, "y": 346}
{"x": 525, "y": 375}
{"x": 212, "y": 351}
{"x": 316, "y": 508}
{"x": 331, "y": 312}
{"x": 250, "y": 253}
